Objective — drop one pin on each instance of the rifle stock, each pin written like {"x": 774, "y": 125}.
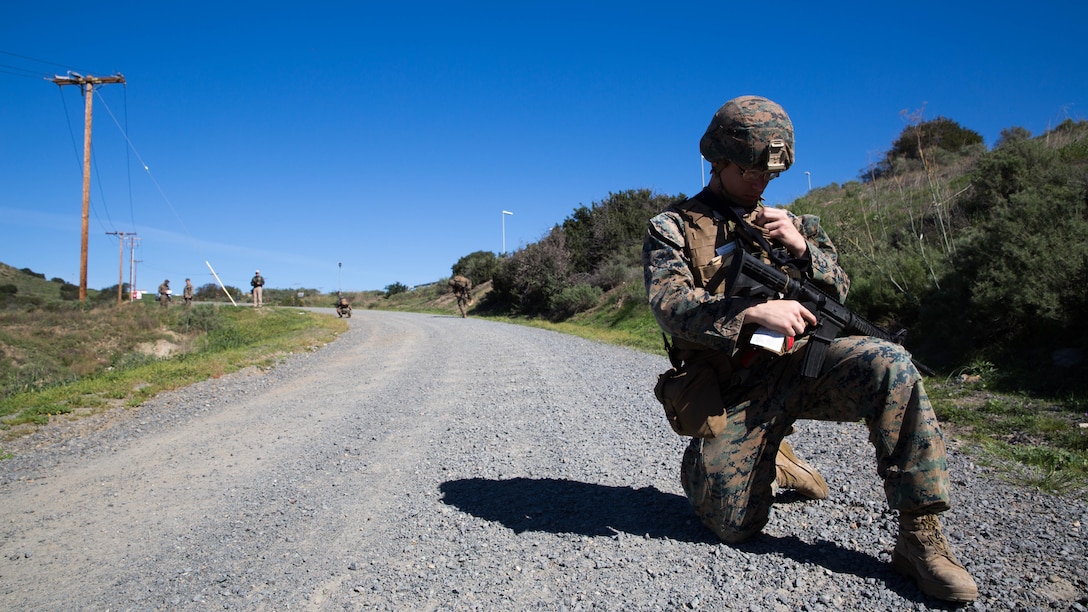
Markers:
{"x": 749, "y": 272}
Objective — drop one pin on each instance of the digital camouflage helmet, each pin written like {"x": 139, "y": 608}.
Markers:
{"x": 752, "y": 132}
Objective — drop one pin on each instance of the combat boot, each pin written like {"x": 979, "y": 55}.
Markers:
{"x": 922, "y": 553}
{"x": 793, "y": 473}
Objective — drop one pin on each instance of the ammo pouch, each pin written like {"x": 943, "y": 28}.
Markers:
{"x": 691, "y": 398}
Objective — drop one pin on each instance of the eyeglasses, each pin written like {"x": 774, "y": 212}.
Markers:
{"x": 755, "y": 176}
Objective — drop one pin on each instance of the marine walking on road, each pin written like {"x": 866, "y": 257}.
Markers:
{"x": 461, "y": 287}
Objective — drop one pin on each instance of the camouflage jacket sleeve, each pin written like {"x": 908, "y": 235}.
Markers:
{"x": 826, "y": 272}
{"x": 686, "y": 311}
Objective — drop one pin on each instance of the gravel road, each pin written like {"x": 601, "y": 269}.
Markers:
{"x": 428, "y": 462}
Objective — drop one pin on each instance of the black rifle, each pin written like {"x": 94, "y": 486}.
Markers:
{"x": 748, "y": 275}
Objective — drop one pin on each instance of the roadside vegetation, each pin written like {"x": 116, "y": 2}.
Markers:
{"x": 981, "y": 254}
{"x": 64, "y": 359}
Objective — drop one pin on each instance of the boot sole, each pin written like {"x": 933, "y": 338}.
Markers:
{"x": 932, "y": 588}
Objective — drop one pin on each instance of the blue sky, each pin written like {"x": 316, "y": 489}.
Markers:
{"x": 360, "y": 144}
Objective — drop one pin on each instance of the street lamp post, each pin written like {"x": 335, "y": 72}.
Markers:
{"x": 339, "y": 277}
{"x": 504, "y": 213}
{"x": 808, "y": 175}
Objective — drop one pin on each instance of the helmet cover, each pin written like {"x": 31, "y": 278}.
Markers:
{"x": 752, "y": 132}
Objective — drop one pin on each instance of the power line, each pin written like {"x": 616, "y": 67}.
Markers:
{"x": 140, "y": 159}
{"x": 40, "y": 61}
{"x": 17, "y": 71}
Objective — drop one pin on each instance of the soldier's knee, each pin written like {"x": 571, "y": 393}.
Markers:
{"x": 888, "y": 364}
{"x": 732, "y": 523}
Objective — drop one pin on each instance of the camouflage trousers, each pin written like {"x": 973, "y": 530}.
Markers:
{"x": 728, "y": 478}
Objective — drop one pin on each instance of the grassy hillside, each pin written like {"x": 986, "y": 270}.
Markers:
{"x": 60, "y": 361}
{"x": 31, "y": 287}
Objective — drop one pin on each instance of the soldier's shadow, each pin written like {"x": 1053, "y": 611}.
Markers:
{"x": 566, "y": 506}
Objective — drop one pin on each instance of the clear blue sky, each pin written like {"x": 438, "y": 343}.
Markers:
{"x": 290, "y": 136}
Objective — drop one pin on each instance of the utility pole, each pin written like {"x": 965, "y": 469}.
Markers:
{"x": 86, "y": 85}
{"x": 121, "y": 261}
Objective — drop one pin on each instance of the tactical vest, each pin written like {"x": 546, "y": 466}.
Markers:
{"x": 704, "y": 232}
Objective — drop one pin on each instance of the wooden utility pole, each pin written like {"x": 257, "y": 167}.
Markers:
{"x": 86, "y": 84}
{"x": 120, "y": 261}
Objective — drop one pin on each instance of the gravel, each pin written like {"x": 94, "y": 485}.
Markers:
{"x": 435, "y": 463}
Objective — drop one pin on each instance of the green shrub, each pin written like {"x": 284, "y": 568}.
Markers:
{"x": 210, "y": 292}
{"x": 203, "y": 318}
{"x": 394, "y": 289}
{"x": 1015, "y": 293}
{"x": 526, "y": 281}
{"x": 572, "y": 300}
{"x": 478, "y": 267}
{"x": 609, "y": 228}
{"x": 923, "y": 142}
{"x": 615, "y": 273}
{"x": 224, "y": 338}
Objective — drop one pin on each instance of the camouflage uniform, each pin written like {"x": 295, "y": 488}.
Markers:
{"x": 728, "y": 478}
{"x": 728, "y": 475}
{"x": 164, "y": 293}
{"x": 343, "y": 307}
{"x": 462, "y": 288}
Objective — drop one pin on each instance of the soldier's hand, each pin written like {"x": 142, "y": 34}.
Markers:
{"x": 780, "y": 228}
{"x": 787, "y": 317}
